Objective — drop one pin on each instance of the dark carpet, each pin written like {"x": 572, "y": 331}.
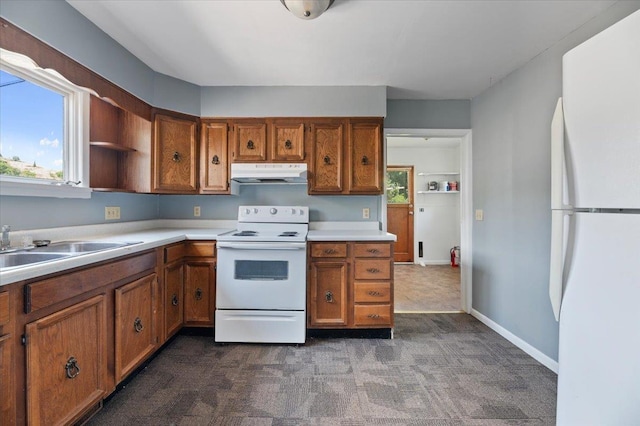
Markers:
{"x": 440, "y": 369}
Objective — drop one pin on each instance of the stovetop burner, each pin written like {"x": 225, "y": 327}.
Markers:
{"x": 288, "y": 234}
{"x": 245, "y": 234}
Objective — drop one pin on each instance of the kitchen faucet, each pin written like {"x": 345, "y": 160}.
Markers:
{"x": 6, "y": 243}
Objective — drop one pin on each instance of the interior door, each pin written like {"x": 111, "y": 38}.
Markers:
{"x": 399, "y": 190}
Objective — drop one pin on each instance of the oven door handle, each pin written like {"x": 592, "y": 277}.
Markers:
{"x": 262, "y": 246}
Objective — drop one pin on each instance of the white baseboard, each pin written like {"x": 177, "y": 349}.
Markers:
{"x": 530, "y": 350}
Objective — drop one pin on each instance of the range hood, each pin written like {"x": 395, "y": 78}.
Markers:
{"x": 265, "y": 173}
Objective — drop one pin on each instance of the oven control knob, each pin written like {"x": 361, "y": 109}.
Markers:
{"x": 273, "y": 210}
{"x": 293, "y": 211}
{"x": 255, "y": 210}
{"x": 247, "y": 211}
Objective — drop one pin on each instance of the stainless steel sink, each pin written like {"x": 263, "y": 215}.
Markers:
{"x": 10, "y": 260}
{"x": 79, "y": 247}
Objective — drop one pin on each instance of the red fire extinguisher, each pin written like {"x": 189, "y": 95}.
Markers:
{"x": 455, "y": 256}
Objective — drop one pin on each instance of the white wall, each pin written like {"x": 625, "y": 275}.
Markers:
{"x": 438, "y": 225}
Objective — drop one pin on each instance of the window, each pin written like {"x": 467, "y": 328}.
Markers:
{"x": 43, "y": 131}
{"x": 398, "y": 184}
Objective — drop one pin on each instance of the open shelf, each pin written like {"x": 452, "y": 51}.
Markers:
{"x": 439, "y": 174}
{"x": 438, "y": 192}
{"x": 112, "y": 146}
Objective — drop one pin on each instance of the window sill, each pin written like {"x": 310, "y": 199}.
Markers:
{"x": 13, "y": 187}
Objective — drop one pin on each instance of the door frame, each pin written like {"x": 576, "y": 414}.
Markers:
{"x": 411, "y": 205}
{"x": 466, "y": 201}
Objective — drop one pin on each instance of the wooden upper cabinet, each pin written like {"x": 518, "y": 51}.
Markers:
{"x": 327, "y": 140}
{"x": 174, "y": 154}
{"x": 214, "y": 161}
{"x": 250, "y": 141}
{"x": 287, "y": 140}
{"x": 365, "y": 156}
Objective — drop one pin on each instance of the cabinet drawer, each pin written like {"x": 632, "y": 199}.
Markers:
{"x": 174, "y": 252}
{"x": 372, "y": 315}
{"x": 4, "y": 308}
{"x": 329, "y": 250}
{"x": 200, "y": 249}
{"x": 370, "y": 269}
{"x": 372, "y": 250}
{"x": 365, "y": 292}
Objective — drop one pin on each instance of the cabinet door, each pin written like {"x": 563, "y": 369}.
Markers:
{"x": 214, "y": 165}
{"x": 365, "y": 157}
{"x": 287, "y": 140}
{"x": 250, "y": 141}
{"x": 328, "y": 294}
{"x": 173, "y": 303}
{"x": 7, "y": 390}
{"x": 66, "y": 363}
{"x": 199, "y": 292}
{"x": 174, "y": 158}
{"x": 326, "y": 157}
{"x": 134, "y": 327}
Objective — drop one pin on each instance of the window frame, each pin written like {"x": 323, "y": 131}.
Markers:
{"x": 76, "y": 133}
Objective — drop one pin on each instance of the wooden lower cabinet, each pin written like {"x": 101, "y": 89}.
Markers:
{"x": 199, "y": 292}
{"x": 350, "y": 285}
{"x": 173, "y": 300}
{"x": 6, "y": 378}
{"x": 66, "y": 366}
{"x": 328, "y": 299}
{"x": 135, "y": 334}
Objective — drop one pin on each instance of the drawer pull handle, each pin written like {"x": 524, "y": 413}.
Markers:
{"x": 375, "y": 293}
{"x": 365, "y": 160}
{"x": 329, "y": 251}
{"x": 250, "y": 144}
{"x": 327, "y": 159}
{"x": 288, "y": 144}
{"x": 198, "y": 293}
{"x": 176, "y": 157}
{"x": 328, "y": 297}
{"x": 373, "y": 316}
{"x": 174, "y": 300}
{"x": 373, "y": 270}
{"x": 72, "y": 368}
{"x": 215, "y": 160}
{"x": 372, "y": 250}
{"x": 137, "y": 325}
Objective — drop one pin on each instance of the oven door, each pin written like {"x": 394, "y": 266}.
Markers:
{"x": 261, "y": 275}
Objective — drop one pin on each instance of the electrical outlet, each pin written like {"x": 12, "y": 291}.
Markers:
{"x": 365, "y": 213}
{"x": 196, "y": 211}
{"x": 111, "y": 213}
{"x": 479, "y": 214}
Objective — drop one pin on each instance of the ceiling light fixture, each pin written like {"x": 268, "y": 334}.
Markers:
{"x": 307, "y": 9}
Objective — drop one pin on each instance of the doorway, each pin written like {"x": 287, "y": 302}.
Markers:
{"x": 421, "y": 261}
{"x": 399, "y": 190}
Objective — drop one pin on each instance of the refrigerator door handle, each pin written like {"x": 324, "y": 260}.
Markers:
{"x": 558, "y": 164}
{"x": 556, "y": 264}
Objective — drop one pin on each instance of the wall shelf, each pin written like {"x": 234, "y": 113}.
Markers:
{"x": 439, "y": 174}
{"x": 438, "y": 192}
{"x": 111, "y": 146}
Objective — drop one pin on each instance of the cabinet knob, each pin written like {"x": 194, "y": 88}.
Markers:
{"x": 176, "y": 156}
{"x": 288, "y": 144}
{"x": 365, "y": 160}
{"x": 137, "y": 325}
{"x": 374, "y": 316}
{"x": 72, "y": 368}
{"x": 327, "y": 160}
{"x": 375, "y": 293}
{"x": 198, "y": 294}
{"x": 372, "y": 250}
{"x": 328, "y": 296}
{"x": 329, "y": 251}
{"x": 174, "y": 300}
{"x": 250, "y": 144}
{"x": 373, "y": 270}
{"x": 215, "y": 160}
{"x": 410, "y": 213}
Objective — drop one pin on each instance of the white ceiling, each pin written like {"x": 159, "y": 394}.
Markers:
{"x": 412, "y": 142}
{"x": 419, "y": 49}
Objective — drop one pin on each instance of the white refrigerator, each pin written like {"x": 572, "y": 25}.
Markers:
{"x": 595, "y": 243}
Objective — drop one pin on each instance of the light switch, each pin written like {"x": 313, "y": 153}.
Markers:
{"x": 479, "y": 214}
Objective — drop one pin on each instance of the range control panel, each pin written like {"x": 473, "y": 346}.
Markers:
{"x": 273, "y": 214}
